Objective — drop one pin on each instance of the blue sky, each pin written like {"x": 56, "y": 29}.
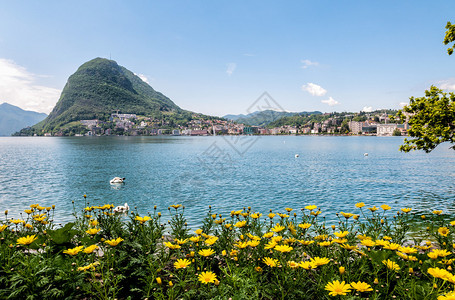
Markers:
{"x": 218, "y": 57}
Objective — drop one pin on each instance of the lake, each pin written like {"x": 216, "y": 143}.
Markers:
{"x": 228, "y": 173}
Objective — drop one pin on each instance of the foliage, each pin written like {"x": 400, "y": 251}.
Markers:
{"x": 396, "y": 132}
{"x": 450, "y": 37}
{"x": 244, "y": 255}
{"x": 432, "y": 120}
{"x": 265, "y": 117}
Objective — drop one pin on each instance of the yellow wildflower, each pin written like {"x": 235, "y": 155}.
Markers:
{"x": 142, "y": 219}
{"x": 319, "y": 261}
{"x": 307, "y": 265}
{"x": 256, "y": 215}
{"x": 305, "y": 243}
{"x": 253, "y": 243}
{"x": 442, "y": 252}
{"x": 271, "y": 262}
{"x": 311, "y": 207}
{"x": 93, "y": 231}
{"x": 361, "y": 286}
{"x": 385, "y": 207}
{"x": 207, "y": 277}
{"x": 338, "y": 288}
{"x": 368, "y": 243}
{"x": 304, "y": 225}
{"x": 325, "y": 243}
{"x": 373, "y": 209}
{"x": 341, "y": 234}
{"x": 283, "y": 248}
{"x": 382, "y": 243}
{"x": 407, "y": 250}
{"x": 171, "y": 246}
{"x": 180, "y": 241}
{"x": 359, "y": 204}
{"x": 293, "y": 265}
{"x": 240, "y": 224}
{"x": 346, "y": 215}
{"x": 206, "y": 252}
{"x": 26, "y": 240}
{"x": 73, "y": 251}
{"x": 241, "y": 245}
{"x": 348, "y": 247}
{"x": 195, "y": 239}
{"x": 392, "y": 246}
{"x": 391, "y": 265}
{"x": 17, "y": 221}
{"x": 270, "y": 245}
{"x": 114, "y": 242}
{"x": 444, "y": 231}
{"x": 3, "y": 227}
{"x": 182, "y": 263}
{"x": 283, "y": 215}
{"x": 277, "y": 228}
{"x": 90, "y": 249}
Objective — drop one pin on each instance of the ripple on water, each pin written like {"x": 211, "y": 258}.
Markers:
{"x": 331, "y": 172}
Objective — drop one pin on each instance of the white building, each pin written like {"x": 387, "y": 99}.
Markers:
{"x": 385, "y": 129}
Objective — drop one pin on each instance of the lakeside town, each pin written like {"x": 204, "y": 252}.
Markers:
{"x": 376, "y": 123}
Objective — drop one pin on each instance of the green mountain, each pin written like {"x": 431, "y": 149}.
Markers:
{"x": 101, "y": 87}
{"x": 13, "y": 118}
{"x": 265, "y": 117}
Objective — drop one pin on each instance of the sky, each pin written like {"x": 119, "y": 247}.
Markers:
{"x": 218, "y": 57}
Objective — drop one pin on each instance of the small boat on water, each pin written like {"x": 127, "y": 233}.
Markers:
{"x": 117, "y": 180}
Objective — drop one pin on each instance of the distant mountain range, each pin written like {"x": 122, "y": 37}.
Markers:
{"x": 265, "y": 117}
{"x": 13, "y": 118}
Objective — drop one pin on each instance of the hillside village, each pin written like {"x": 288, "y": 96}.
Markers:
{"x": 376, "y": 123}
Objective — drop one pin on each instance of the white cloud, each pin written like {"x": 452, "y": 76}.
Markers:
{"x": 314, "y": 89}
{"x": 367, "y": 109}
{"x": 248, "y": 54}
{"x": 142, "y": 76}
{"x": 448, "y": 84}
{"x": 330, "y": 101}
{"x": 308, "y": 63}
{"x": 231, "y": 68}
{"x": 402, "y": 104}
{"x": 18, "y": 87}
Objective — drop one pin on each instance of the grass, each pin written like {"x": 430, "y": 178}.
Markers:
{"x": 245, "y": 255}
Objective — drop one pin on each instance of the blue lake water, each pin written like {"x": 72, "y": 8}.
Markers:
{"x": 227, "y": 173}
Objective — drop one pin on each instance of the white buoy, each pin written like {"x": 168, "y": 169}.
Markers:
{"x": 297, "y": 155}
{"x": 365, "y": 154}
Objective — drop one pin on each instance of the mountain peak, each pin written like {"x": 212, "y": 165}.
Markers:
{"x": 100, "y": 87}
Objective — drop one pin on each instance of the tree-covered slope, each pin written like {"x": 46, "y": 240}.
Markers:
{"x": 265, "y": 117}
{"x": 100, "y": 87}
